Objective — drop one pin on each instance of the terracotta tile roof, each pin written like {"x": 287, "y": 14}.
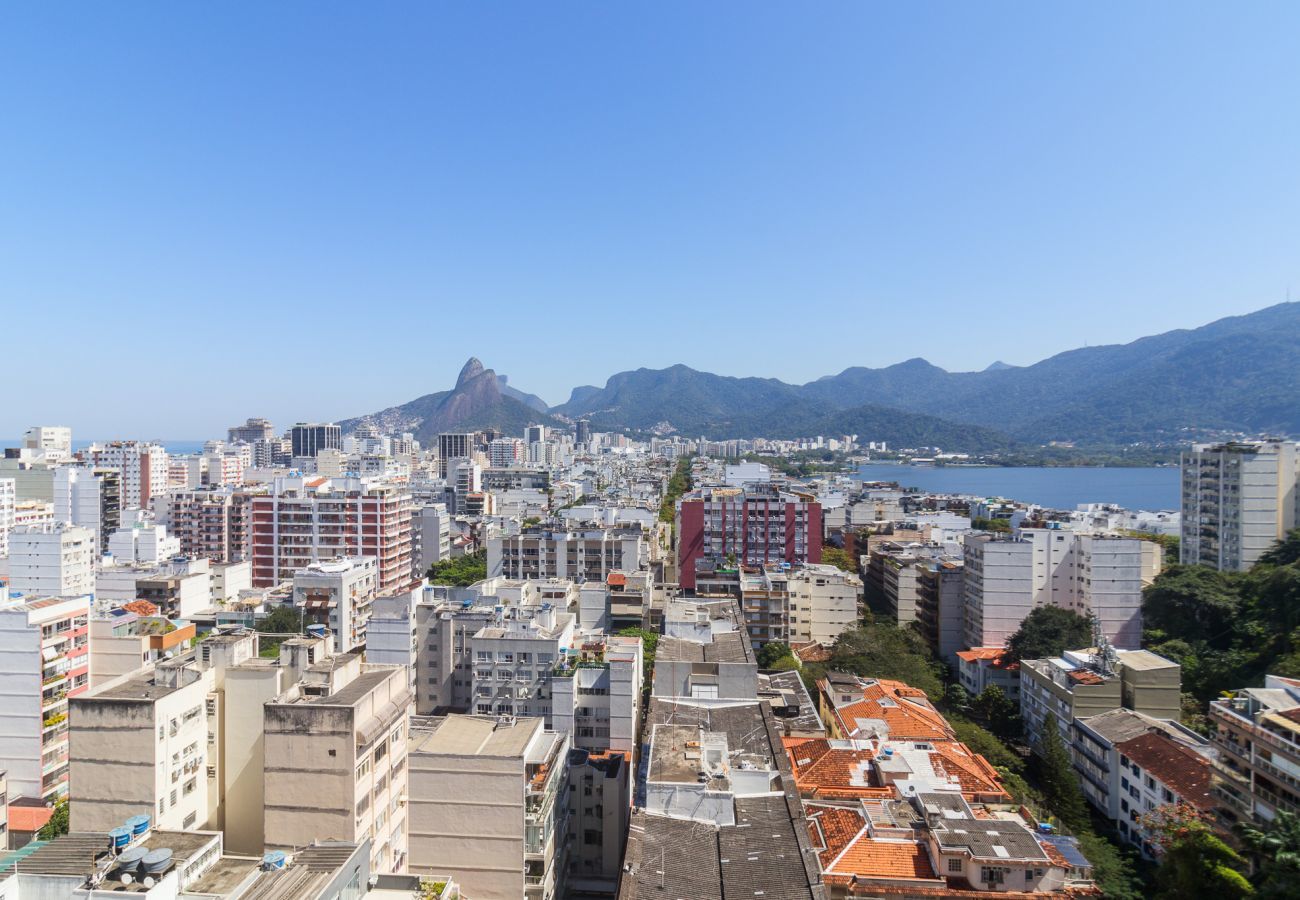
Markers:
{"x": 832, "y": 828}
{"x": 844, "y": 847}
{"x": 1185, "y": 771}
{"x": 996, "y": 657}
{"x": 141, "y": 608}
{"x": 821, "y": 770}
{"x": 29, "y": 817}
{"x": 905, "y": 711}
{"x": 811, "y": 651}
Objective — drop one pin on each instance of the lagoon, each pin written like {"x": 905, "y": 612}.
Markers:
{"x": 1154, "y": 488}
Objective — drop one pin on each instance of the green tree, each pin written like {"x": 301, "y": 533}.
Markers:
{"x": 883, "y": 650}
{"x": 460, "y": 571}
{"x": 998, "y": 526}
{"x": 1276, "y": 853}
{"x": 834, "y": 556}
{"x": 1113, "y": 868}
{"x": 1001, "y": 715}
{"x": 1285, "y": 552}
{"x": 1056, "y": 776}
{"x": 1194, "y": 861}
{"x": 1196, "y": 604}
{"x": 58, "y": 824}
{"x": 770, "y": 652}
{"x": 1049, "y": 631}
{"x": 281, "y": 620}
{"x": 786, "y": 664}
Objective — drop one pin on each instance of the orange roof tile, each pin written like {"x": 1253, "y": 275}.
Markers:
{"x": 871, "y": 858}
{"x": 29, "y": 818}
{"x": 1180, "y": 767}
{"x": 141, "y": 608}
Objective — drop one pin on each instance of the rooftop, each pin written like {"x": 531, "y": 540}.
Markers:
{"x": 461, "y": 735}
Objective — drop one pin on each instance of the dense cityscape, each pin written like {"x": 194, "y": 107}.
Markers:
{"x": 649, "y": 451}
{"x": 328, "y": 663}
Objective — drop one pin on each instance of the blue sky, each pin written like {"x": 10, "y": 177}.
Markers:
{"x": 313, "y": 210}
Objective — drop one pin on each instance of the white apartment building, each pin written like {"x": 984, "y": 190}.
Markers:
{"x": 78, "y": 496}
{"x": 505, "y": 452}
{"x": 392, "y": 637}
{"x": 431, "y": 535}
{"x": 338, "y": 594}
{"x": 580, "y": 555}
{"x": 143, "y": 467}
{"x": 513, "y": 658}
{"x": 44, "y": 660}
{"x": 54, "y": 441}
{"x": 142, "y": 543}
{"x": 489, "y": 805}
{"x": 8, "y": 500}
{"x": 595, "y": 693}
{"x": 138, "y": 746}
{"x": 1090, "y": 574}
{"x": 52, "y": 560}
{"x": 180, "y": 587}
{"x": 1130, "y": 764}
{"x": 1239, "y": 498}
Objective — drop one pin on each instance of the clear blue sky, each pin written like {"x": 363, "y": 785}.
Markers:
{"x": 313, "y": 210}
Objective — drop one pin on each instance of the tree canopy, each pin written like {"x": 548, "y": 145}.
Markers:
{"x": 460, "y": 571}
{"x": 772, "y": 651}
{"x": 1049, "y": 631}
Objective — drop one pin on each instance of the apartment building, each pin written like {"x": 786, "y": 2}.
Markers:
{"x": 309, "y": 439}
{"x": 1238, "y": 499}
{"x": 600, "y": 807}
{"x": 489, "y": 802}
{"x": 303, "y": 520}
{"x": 335, "y": 751}
{"x": 454, "y": 446}
{"x": 338, "y": 594}
{"x": 122, "y": 641}
{"x": 44, "y": 661}
{"x": 430, "y": 536}
{"x": 54, "y": 441}
{"x": 1130, "y": 764}
{"x": 8, "y": 500}
{"x": 753, "y": 525}
{"x": 143, "y": 467}
{"x": 142, "y": 542}
{"x": 252, "y": 431}
{"x": 392, "y": 635}
{"x": 1257, "y": 733}
{"x": 788, "y": 602}
{"x": 1080, "y": 684}
{"x": 595, "y": 693}
{"x": 90, "y": 498}
{"x": 138, "y": 746}
{"x": 941, "y": 604}
{"x": 1093, "y": 575}
{"x": 579, "y": 555}
{"x": 52, "y": 560}
{"x": 211, "y": 522}
{"x": 505, "y": 452}
{"x": 513, "y": 658}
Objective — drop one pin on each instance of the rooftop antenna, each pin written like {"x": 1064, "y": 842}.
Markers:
{"x": 1105, "y": 659}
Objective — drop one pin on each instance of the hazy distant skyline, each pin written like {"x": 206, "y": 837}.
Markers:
{"x": 310, "y": 211}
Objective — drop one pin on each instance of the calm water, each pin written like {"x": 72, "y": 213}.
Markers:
{"x": 1060, "y": 488}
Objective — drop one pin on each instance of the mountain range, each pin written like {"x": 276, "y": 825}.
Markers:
{"x": 1236, "y": 374}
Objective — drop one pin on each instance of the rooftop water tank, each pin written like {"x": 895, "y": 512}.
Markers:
{"x": 273, "y": 859}
{"x": 120, "y": 836}
{"x": 138, "y": 824}
{"x": 156, "y": 862}
{"x": 130, "y": 858}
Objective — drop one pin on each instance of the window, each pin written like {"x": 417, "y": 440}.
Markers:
{"x": 190, "y": 785}
{"x": 173, "y": 799}
{"x": 993, "y": 875}
{"x": 954, "y": 865}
